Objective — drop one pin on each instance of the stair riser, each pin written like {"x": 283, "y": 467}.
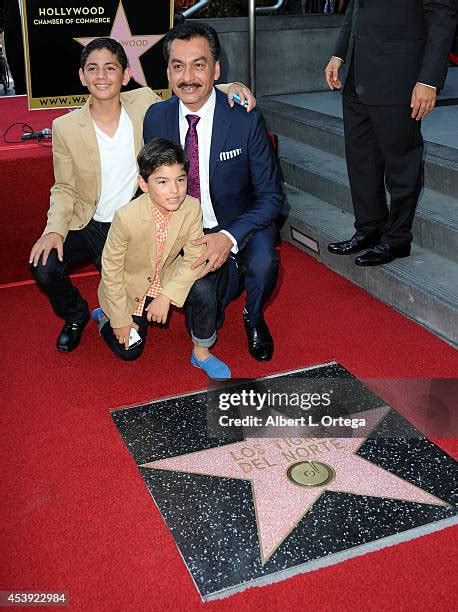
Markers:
{"x": 426, "y": 309}
{"x": 440, "y": 177}
{"x": 431, "y": 235}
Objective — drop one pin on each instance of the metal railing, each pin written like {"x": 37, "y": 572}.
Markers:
{"x": 260, "y": 10}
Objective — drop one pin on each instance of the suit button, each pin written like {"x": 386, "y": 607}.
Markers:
{"x": 137, "y": 299}
{"x": 150, "y": 280}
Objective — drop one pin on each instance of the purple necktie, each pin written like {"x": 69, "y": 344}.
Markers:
{"x": 191, "y": 146}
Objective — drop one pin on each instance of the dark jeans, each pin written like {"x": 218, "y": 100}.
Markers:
{"x": 80, "y": 247}
{"x": 119, "y": 349}
{"x": 257, "y": 263}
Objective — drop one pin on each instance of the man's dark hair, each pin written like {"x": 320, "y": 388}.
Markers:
{"x": 160, "y": 152}
{"x": 187, "y": 31}
{"x": 105, "y": 43}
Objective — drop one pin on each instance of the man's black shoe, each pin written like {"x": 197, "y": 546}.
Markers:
{"x": 260, "y": 342}
{"x": 70, "y": 335}
{"x": 357, "y": 243}
{"x": 381, "y": 254}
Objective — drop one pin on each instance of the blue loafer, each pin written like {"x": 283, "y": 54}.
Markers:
{"x": 99, "y": 317}
{"x": 214, "y": 367}
{"x": 97, "y": 314}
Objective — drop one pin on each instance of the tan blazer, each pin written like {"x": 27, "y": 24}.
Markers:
{"x": 129, "y": 257}
{"x": 77, "y": 169}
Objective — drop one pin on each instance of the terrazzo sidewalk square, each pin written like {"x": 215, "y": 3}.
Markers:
{"x": 263, "y": 501}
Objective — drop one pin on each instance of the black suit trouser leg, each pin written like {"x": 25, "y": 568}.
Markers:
{"x": 365, "y": 165}
{"x": 400, "y": 140}
{"x": 383, "y": 144}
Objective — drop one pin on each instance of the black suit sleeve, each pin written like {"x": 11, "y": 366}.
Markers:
{"x": 440, "y": 16}
{"x": 341, "y": 47}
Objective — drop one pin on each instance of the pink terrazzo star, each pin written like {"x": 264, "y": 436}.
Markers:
{"x": 134, "y": 46}
{"x": 279, "y": 503}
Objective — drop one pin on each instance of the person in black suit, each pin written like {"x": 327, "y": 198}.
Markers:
{"x": 396, "y": 53}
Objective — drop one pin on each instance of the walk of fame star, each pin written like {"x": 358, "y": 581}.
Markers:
{"x": 284, "y": 491}
{"x": 134, "y": 45}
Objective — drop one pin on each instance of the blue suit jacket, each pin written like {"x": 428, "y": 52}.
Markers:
{"x": 245, "y": 185}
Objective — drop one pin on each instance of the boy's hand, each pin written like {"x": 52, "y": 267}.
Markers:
{"x": 44, "y": 245}
{"x": 122, "y": 334}
{"x": 218, "y": 249}
{"x": 158, "y": 309}
{"x": 244, "y": 93}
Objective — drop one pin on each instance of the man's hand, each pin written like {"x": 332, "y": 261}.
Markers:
{"x": 218, "y": 248}
{"x": 244, "y": 93}
{"x": 122, "y": 334}
{"x": 158, "y": 309}
{"x": 423, "y": 101}
{"x": 332, "y": 73}
{"x": 44, "y": 245}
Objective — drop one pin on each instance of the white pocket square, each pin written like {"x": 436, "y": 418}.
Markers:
{"x": 224, "y": 155}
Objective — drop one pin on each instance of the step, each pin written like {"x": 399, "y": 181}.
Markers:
{"x": 324, "y": 176}
{"x": 325, "y": 132}
{"x": 420, "y": 286}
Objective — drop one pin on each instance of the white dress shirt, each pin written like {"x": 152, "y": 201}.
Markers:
{"x": 204, "y": 135}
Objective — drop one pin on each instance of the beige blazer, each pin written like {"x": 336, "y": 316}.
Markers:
{"x": 129, "y": 257}
{"x": 76, "y": 159}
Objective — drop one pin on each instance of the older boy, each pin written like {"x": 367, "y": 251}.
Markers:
{"x": 146, "y": 262}
{"x": 94, "y": 151}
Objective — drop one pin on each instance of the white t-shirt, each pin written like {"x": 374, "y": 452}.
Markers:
{"x": 119, "y": 168}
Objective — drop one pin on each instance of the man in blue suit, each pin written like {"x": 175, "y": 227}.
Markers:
{"x": 234, "y": 174}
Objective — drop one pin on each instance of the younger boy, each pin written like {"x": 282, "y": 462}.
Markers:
{"x": 146, "y": 261}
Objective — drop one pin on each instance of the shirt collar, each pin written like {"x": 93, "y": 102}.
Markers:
{"x": 158, "y": 216}
{"x": 203, "y": 112}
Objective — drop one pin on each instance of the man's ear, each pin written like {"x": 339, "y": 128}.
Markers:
{"x": 142, "y": 184}
{"x": 81, "y": 75}
{"x": 126, "y": 76}
{"x": 217, "y": 70}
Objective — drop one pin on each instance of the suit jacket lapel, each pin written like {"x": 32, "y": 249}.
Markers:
{"x": 174, "y": 227}
{"x": 221, "y": 125}
{"x": 134, "y": 111}
{"x": 147, "y": 217}
{"x": 90, "y": 141}
{"x": 172, "y": 120}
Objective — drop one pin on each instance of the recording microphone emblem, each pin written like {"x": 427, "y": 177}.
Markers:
{"x": 44, "y": 133}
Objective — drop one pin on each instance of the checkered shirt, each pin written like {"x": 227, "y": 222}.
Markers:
{"x": 162, "y": 223}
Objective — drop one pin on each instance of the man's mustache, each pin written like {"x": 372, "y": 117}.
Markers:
{"x": 191, "y": 84}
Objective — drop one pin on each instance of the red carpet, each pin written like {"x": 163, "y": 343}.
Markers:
{"x": 76, "y": 515}
{"x": 26, "y": 176}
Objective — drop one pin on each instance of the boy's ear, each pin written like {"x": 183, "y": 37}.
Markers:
{"x": 81, "y": 75}
{"x": 142, "y": 184}
{"x": 126, "y": 76}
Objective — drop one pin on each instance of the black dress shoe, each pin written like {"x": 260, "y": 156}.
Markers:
{"x": 381, "y": 254}
{"x": 260, "y": 342}
{"x": 70, "y": 335}
{"x": 357, "y": 243}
